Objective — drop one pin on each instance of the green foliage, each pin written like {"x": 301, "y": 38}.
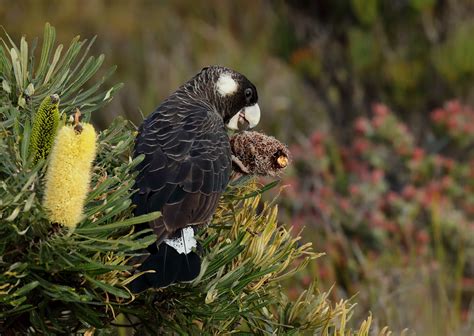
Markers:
{"x": 363, "y": 49}
{"x": 55, "y": 281}
{"x": 454, "y": 58}
{"x": 27, "y": 81}
{"x": 423, "y": 5}
{"x": 408, "y": 54}
{"x": 365, "y": 10}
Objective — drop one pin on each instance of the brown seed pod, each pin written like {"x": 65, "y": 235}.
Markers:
{"x": 258, "y": 154}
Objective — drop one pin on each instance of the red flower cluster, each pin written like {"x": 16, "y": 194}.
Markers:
{"x": 385, "y": 193}
{"x": 457, "y": 121}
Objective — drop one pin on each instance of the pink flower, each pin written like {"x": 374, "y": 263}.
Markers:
{"x": 306, "y": 280}
{"x": 354, "y": 189}
{"x": 378, "y": 121}
{"x": 402, "y": 128}
{"x": 317, "y": 138}
{"x": 345, "y": 204}
{"x": 466, "y": 128}
{"x": 319, "y": 151}
{"x": 409, "y": 191}
{"x": 323, "y": 272}
{"x": 361, "y": 146}
{"x": 422, "y": 237}
{"x": 377, "y": 220}
{"x": 326, "y": 192}
{"x": 467, "y": 282}
{"x": 453, "y": 106}
{"x": 452, "y": 123}
{"x": 418, "y": 154}
{"x": 438, "y": 115}
{"x": 390, "y": 226}
{"x": 446, "y": 182}
{"x": 392, "y": 197}
{"x": 438, "y": 160}
{"x": 403, "y": 149}
{"x": 361, "y": 125}
{"x": 380, "y": 110}
{"x": 377, "y": 175}
{"x": 449, "y": 163}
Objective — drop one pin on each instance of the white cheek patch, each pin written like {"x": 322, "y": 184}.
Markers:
{"x": 185, "y": 243}
{"x": 226, "y": 85}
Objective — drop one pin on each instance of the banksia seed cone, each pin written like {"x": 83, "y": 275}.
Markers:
{"x": 259, "y": 154}
{"x": 69, "y": 174}
{"x": 45, "y": 125}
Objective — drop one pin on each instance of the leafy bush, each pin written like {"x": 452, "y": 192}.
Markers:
{"x": 412, "y": 54}
{"x": 390, "y": 201}
{"x": 55, "y": 280}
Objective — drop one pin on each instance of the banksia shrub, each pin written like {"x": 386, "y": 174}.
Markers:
{"x": 52, "y": 280}
{"x": 59, "y": 281}
{"x": 45, "y": 125}
{"x": 69, "y": 174}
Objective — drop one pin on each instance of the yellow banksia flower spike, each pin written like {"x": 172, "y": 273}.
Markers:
{"x": 45, "y": 125}
{"x": 69, "y": 174}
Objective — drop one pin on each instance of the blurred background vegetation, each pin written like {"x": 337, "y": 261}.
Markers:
{"x": 384, "y": 190}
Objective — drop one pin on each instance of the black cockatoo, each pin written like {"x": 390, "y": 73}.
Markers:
{"x": 187, "y": 167}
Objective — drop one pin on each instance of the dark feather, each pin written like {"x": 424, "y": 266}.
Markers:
{"x": 187, "y": 163}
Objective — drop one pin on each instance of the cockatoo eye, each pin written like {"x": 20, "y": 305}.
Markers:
{"x": 248, "y": 93}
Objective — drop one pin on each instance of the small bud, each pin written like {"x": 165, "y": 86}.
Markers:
{"x": 259, "y": 154}
{"x": 45, "y": 125}
{"x": 69, "y": 174}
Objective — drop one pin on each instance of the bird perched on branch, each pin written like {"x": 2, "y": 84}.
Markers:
{"x": 187, "y": 165}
